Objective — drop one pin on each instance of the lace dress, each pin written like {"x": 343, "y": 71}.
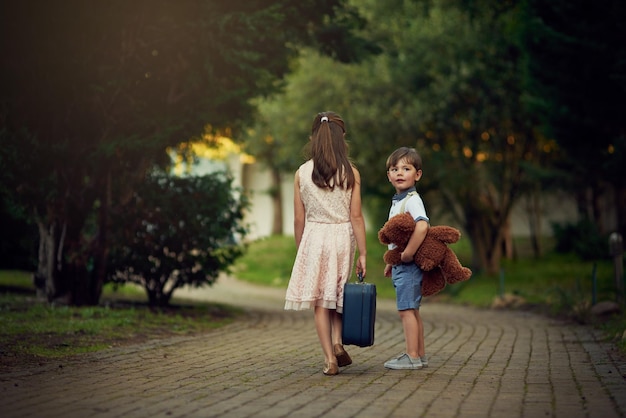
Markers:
{"x": 325, "y": 257}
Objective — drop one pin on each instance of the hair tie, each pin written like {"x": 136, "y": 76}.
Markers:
{"x": 324, "y": 119}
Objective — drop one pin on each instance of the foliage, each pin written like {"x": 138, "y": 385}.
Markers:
{"x": 279, "y": 137}
{"x": 93, "y": 94}
{"x": 469, "y": 119}
{"x": 261, "y": 263}
{"x": 18, "y": 241}
{"x": 582, "y": 238}
{"x": 554, "y": 284}
{"x": 448, "y": 82}
{"x": 177, "y": 231}
{"x": 576, "y": 82}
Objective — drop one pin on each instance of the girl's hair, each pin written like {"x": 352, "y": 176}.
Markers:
{"x": 405, "y": 153}
{"x": 329, "y": 151}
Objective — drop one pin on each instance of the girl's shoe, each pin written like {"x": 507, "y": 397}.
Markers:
{"x": 343, "y": 359}
{"x": 331, "y": 369}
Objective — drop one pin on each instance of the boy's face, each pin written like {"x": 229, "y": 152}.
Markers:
{"x": 403, "y": 175}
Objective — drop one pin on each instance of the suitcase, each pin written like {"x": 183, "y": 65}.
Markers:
{"x": 359, "y": 313}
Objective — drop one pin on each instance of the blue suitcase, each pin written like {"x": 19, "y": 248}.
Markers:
{"x": 359, "y": 313}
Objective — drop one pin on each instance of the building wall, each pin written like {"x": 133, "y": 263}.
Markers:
{"x": 557, "y": 207}
{"x": 256, "y": 180}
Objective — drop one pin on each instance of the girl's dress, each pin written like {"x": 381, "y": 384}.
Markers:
{"x": 326, "y": 254}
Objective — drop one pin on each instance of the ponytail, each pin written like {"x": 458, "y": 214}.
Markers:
{"x": 329, "y": 152}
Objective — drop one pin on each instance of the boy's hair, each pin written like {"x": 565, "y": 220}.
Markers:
{"x": 405, "y": 153}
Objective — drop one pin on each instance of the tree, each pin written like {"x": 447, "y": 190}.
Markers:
{"x": 18, "y": 239}
{"x": 576, "y": 81}
{"x": 280, "y": 135}
{"x": 94, "y": 93}
{"x": 477, "y": 138}
{"x": 177, "y": 231}
{"x": 269, "y": 138}
{"x": 449, "y": 83}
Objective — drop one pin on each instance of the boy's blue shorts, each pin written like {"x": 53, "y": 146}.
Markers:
{"x": 407, "y": 280}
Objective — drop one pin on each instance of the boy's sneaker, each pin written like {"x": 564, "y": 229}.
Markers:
{"x": 404, "y": 362}
{"x": 424, "y": 361}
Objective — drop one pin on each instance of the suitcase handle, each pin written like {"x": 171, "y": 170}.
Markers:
{"x": 360, "y": 277}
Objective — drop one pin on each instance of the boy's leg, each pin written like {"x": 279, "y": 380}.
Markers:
{"x": 410, "y": 326}
{"x": 410, "y": 359}
{"x": 421, "y": 350}
{"x": 406, "y": 281}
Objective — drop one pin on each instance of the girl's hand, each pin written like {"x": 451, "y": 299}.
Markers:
{"x": 360, "y": 266}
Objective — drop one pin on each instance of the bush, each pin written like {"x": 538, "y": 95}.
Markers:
{"x": 19, "y": 239}
{"x": 175, "y": 232}
{"x": 582, "y": 238}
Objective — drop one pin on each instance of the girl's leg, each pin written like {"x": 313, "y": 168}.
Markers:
{"x": 343, "y": 358}
{"x": 324, "y": 329}
{"x": 411, "y": 331}
{"x": 336, "y": 324}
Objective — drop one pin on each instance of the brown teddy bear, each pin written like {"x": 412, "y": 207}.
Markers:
{"x": 438, "y": 262}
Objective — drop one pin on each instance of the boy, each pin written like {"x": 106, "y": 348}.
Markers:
{"x": 404, "y": 169}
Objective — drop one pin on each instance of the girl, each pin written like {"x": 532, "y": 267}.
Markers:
{"x": 328, "y": 226}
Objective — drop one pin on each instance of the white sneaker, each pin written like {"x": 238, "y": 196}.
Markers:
{"x": 404, "y": 362}
{"x": 424, "y": 361}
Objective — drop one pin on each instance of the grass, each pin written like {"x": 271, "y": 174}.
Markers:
{"x": 555, "y": 284}
{"x": 268, "y": 261}
{"x": 34, "y": 330}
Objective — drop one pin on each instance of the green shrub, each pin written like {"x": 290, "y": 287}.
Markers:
{"x": 581, "y": 238}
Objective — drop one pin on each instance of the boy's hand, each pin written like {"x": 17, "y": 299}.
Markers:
{"x": 387, "y": 271}
{"x": 406, "y": 258}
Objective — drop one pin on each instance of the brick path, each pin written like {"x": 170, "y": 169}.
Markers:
{"x": 482, "y": 364}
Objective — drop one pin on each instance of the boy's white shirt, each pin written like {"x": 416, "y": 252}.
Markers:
{"x": 413, "y": 204}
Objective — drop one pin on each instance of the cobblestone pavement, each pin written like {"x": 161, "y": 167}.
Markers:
{"x": 269, "y": 364}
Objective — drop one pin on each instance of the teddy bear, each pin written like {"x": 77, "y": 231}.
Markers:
{"x": 438, "y": 262}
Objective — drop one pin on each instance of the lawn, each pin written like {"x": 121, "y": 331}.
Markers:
{"x": 268, "y": 261}
{"x": 32, "y": 329}
{"x": 554, "y": 284}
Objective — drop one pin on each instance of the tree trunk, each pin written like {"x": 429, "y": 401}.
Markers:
{"x": 487, "y": 237}
{"x": 277, "y": 202}
{"x": 46, "y": 275}
{"x": 596, "y": 195}
{"x": 620, "y": 199}
{"x": 478, "y": 238}
{"x": 101, "y": 241}
{"x": 533, "y": 209}
{"x": 507, "y": 241}
{"x": 79, "y": 293}
{"x": 64, "y": 266}
{"x": 158, "y": 297}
